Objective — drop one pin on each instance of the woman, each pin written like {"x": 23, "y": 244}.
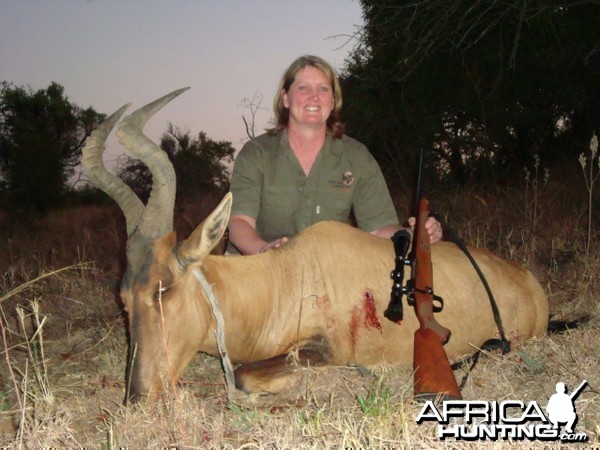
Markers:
{"x": 306, "y": 170}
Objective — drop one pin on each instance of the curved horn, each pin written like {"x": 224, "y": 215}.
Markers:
{"x": 157, "y": 217}
{"x": 93, "y": 165}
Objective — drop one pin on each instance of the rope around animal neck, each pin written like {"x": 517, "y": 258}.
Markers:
{"x": 219, "y": 334}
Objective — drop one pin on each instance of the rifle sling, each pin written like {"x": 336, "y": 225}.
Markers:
{"x": 491, "y": 344}
{"x": 453, "y": 237}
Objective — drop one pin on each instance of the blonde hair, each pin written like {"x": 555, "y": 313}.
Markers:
{"x": 282, "y": 114}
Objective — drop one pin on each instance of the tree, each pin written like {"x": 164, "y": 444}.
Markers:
{"x": 487, "y": 85}
{"x": 253, "y": 106}
{"x": 200, "y": 165}
{"x": 41, "y": 136}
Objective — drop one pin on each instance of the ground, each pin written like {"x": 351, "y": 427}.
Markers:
{"x": 65, "y": 346}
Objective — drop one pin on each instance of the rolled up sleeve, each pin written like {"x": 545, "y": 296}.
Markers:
{"x": 247, "y": 181}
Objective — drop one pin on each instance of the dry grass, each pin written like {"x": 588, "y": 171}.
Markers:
{"x": 67, "y": 347}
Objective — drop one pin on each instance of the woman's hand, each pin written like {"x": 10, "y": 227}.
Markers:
{"x": 433, "y": 227}
{"x": 271, "y": 245}
{"x": 242, "y": 234}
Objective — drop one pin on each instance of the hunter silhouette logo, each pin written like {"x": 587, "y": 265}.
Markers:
{"x": 561, "y": 407}
{"x": 472, "y": 420}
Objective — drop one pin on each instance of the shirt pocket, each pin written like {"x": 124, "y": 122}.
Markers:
{"x": 336, "y": 204}
{"x": 278, "y": 205}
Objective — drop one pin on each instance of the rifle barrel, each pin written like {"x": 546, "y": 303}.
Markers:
{"x": 576, "y": 392}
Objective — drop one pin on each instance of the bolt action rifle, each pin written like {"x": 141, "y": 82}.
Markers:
{"x": 433, "y": 376}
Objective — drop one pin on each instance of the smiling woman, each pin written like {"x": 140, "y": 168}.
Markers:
{"x": 323, "y": 78}
{"x": 309, "y": 101}
{"x": 306, "y": 170}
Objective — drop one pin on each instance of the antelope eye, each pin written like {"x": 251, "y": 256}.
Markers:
{"x": 160, "y": 292}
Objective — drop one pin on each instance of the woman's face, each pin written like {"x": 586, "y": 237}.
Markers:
{"x": 309, "y": 98}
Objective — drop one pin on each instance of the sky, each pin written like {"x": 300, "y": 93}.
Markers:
{"x": 107, "y": 53}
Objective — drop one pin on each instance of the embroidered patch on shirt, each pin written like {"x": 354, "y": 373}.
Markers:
{"x": 346, "y": 181}
{"x": 348, "y": 178}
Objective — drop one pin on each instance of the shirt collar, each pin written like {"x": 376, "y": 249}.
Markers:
{"x": 329, "y": 146}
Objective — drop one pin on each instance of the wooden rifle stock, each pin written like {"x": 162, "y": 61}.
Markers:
{"x": 433, "y": 376}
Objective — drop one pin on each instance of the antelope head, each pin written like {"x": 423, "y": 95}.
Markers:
{"x": 160, "y": 343}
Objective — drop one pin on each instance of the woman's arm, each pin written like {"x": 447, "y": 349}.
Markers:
{"x": 242, "y": 234}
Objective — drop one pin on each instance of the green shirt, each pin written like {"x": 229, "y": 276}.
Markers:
{"x": 269, "y": 185}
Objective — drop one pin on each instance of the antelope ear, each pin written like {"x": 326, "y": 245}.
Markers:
{"x": 206, "y": 235}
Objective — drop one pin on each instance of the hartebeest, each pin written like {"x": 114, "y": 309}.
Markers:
{"x": 324, "y": 292}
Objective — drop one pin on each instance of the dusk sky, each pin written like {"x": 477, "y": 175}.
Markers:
{"x": 110, "y": 52}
